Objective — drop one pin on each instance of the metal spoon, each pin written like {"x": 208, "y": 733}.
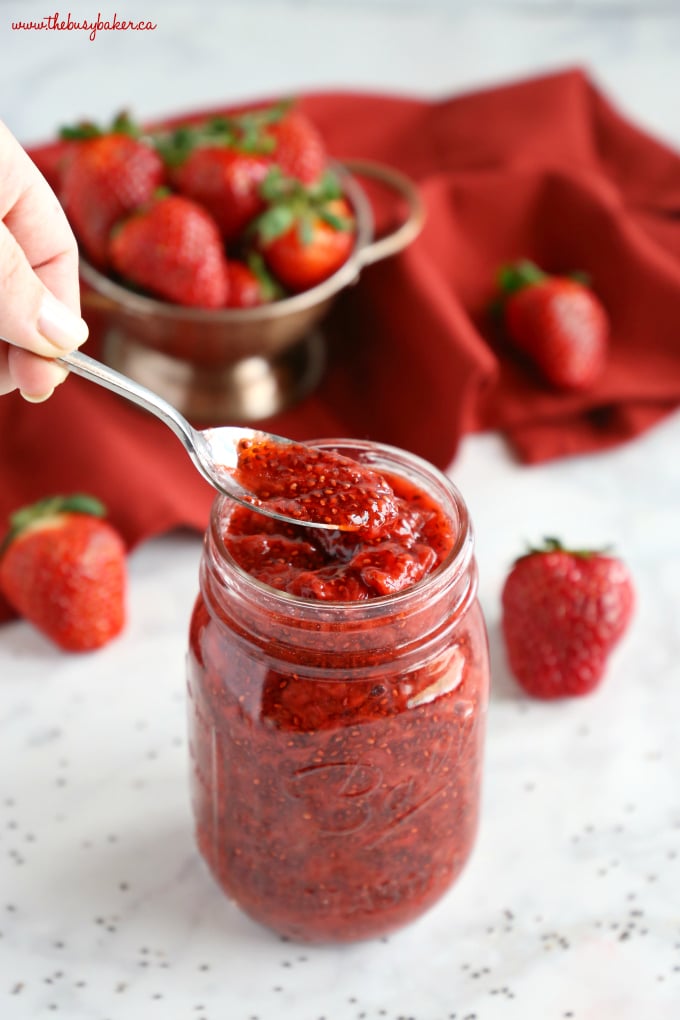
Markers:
{"x": 213, "y": 451}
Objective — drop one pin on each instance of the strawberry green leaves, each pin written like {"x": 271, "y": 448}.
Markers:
{"x": 49, "y": 507}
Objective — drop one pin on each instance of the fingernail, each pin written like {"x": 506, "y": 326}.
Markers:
{"x": 60, "y": 325}
{"x": 38, "y": 398}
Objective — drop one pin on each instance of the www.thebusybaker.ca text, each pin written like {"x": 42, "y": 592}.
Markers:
{"x": 66, "y": 23}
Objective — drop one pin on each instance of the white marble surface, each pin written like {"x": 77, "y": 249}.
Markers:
{"x": 570, "y": 906}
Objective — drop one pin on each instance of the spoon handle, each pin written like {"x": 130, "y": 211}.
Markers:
{"x": 81, "y": 364}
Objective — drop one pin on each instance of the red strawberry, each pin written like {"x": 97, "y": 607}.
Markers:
{"x": 299, "y": 149}
{"x": 250, "y": 284}
{"x": 306, "y": 233}
{"x": 245, "y": 290}
{"x": 313, "y": 247}
{"x": 173, "y": 250}
{"x": 226, "y": 182}
{"x": 63, "y": 568}
{"x": 107, "y": 178}
{"x": 558, "y": 322}
{"x": 563, "y": 612}
{"x": 52, "y": 161}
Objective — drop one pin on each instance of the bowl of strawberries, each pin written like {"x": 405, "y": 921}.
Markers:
{"x": 212, "y": 248}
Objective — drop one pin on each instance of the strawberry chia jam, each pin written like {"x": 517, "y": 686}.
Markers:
{"x": 338, "y": 684}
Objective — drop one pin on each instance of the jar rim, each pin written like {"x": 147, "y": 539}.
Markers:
{"x": 452, "y": 567}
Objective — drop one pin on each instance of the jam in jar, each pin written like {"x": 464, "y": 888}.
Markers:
{"x": 338, "y": 684}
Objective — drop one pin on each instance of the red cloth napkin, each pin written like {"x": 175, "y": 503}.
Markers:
{"x": 544, "y": 169}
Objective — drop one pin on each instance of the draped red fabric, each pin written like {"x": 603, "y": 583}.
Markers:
{"x": 544, "y": 168}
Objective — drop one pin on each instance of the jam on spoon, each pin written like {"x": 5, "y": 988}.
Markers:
{"x": 258, "y": 469}
{"x": 315, "y": 485}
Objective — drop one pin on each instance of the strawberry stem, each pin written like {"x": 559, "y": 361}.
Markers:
{"x": 515, "y": 276}
{"x": 274, "y": 222}
{"x": 244, "y": 132}
{"x": 122, "y": 124}
{"x": 49, "y": 507}
{"x": 551, "y": 544}
{"x": 80, "y": 132}
{"x": 289, "y": 202}
{"x": 270, "y": 288}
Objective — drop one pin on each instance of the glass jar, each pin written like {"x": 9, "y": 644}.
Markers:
{"x": 336, "y": 747}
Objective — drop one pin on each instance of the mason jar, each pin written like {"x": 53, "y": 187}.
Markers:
{"x": 336, "y": 746}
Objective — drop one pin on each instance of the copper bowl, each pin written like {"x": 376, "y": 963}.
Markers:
{"x": 242, "y": 364}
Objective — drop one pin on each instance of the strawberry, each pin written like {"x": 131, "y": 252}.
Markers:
{"x": 52, "y": 161}
{"x": 244, "y": 287}
{"x": 225, "y": 181}
{"x": 173, "y": 249}
{"x": 306, "y": 233}
{"x": 221, "y": 162}
{"x": 299, "y": 149}
{"x": 63, "y": 568}
{"x": 563, "y": 612}
{"x": 558, "y": 322}
{"x": 313, "y": 247}
{"x": 106, "y": 178}
{"x": 250, "y": 284}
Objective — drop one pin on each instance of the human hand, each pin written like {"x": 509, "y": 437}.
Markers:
{"x": 39, "y": 292}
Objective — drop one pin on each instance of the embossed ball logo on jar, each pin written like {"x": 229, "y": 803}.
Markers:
{"x": 361, "y": 798}
{"x": 338, "y": 797}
